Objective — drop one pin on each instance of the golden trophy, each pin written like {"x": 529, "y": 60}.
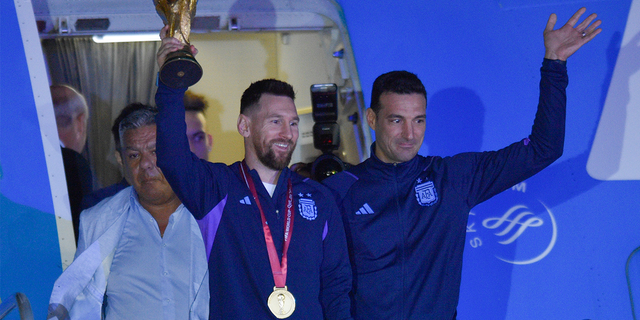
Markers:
{"x": 180, "y": 69}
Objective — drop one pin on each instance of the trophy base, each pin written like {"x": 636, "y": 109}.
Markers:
{"x": 180, "y": 70}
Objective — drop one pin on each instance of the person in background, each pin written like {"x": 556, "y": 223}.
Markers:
{"x": 200, "y": 142}
{"x": 72, "y": 114}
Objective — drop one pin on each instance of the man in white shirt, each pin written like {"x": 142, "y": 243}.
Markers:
{"x": 140, "y": 253}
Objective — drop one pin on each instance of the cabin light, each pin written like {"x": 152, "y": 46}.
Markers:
{"x": 126, "y": 37}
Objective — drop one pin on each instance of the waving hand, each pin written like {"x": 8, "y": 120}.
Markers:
{"x": 561, "y": 43}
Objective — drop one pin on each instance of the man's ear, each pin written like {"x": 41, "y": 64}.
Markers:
{"x": 243, "y": 125}
{"x": 209, "y": 142}
{"x": 371, "y": 119}
{"x": 80, "y": 123}
{"x": 119, "y": 159}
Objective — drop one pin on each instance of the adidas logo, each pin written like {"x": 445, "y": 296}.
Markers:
{"x": 365, "y": 209}
{"x": 245, "y": 200}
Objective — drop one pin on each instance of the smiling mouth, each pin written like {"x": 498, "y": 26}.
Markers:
{"x": 281, "y": 145}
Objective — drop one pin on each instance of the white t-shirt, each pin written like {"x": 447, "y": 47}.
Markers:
{"x": 270, "y": 188}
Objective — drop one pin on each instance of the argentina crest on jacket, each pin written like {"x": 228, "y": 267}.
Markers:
{"x": 426, "y": 193}
{"x": 307, "y": 207}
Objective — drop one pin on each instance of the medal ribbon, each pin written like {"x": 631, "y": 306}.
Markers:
{"x": 278, "y": 269}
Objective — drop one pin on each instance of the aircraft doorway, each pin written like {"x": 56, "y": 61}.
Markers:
{"x": 285, "y": 46}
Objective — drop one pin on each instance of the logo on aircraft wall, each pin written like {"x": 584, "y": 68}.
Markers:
{"x": 514, "y": 228}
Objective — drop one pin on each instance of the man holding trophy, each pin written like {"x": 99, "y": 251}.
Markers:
{"x": 274, "y": 240}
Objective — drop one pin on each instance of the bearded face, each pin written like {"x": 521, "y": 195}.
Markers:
{"x": 274, "y": 131}
{"x": 275, "y": 154}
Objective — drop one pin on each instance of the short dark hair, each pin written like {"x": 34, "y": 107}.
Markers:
{"x": 134, "y": 115}
{"x": 252, "y": 95}
{"x": 195, "y": 102}
{"x": 400, "y": 82}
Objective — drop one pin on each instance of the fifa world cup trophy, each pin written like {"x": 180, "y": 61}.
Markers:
{"x": 180, "y": 69}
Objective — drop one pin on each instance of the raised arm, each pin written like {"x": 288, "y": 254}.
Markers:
{"x": 560, "y": 44}
{"x": 192, "y": 179}
{"x": 498, "y": 170}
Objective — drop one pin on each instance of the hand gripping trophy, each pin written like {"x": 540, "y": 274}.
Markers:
{"x": 180, "y": 69}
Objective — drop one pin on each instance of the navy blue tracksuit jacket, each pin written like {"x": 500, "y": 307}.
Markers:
{"x": 319, "y": 275}
{"x": 406, "y": 222}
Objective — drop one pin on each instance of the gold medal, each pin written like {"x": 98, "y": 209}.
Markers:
{"x": 281, "y": 302}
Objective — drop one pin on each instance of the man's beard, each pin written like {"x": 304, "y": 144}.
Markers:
{"x": 269, "y": 159}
